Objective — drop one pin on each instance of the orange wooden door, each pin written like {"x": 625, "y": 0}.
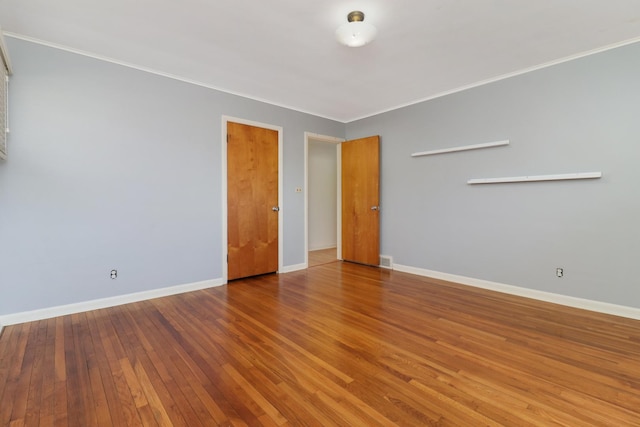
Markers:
{"x": 252, "y": 200}
{"x": 360, "y": 200}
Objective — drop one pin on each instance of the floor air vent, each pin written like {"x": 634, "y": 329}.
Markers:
{"x": 386, "y": 261}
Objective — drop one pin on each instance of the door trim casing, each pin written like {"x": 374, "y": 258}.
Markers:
{"x": 331, "y": 140}
{"x": 225, "y": 236}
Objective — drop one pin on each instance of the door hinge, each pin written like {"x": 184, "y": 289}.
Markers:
{"x": 227, "y": 138}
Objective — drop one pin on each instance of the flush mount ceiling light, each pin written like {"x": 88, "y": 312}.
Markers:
{"x": 355, "y": 33}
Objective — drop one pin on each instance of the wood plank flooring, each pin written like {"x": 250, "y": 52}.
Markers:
{"x": 337, "y": 344}
{"x": 323, "y": 256}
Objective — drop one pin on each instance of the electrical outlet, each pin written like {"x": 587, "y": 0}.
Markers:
{"x": 114, "y": 274}
{"x": 559, "y": 272}
{"x": 298, "y": 189}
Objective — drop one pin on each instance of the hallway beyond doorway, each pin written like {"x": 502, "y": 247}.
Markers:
{"x": 323, "y": 256}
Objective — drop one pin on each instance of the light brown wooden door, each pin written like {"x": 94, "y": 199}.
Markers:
{"x": 252, "y": 200}
{"x": 360, "y": 200}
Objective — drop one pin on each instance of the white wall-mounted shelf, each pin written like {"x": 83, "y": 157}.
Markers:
{"x": 556, "y": 177}
{"x": 461, "y": 148}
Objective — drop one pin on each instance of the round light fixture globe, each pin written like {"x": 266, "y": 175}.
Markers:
{"x": 356, "y": 32}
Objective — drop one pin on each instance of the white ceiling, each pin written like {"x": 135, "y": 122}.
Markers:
{"x": 284, "y": 51}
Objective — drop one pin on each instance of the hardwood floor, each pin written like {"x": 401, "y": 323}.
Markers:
{"x": 338, "y": 344}
{"x": 323, "y": 256}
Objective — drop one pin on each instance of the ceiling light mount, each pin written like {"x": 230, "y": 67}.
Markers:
{"x": 355, "y": 16}
{"x": 355, "y": 32}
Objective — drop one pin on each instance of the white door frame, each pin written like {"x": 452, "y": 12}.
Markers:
{"x": 332, "y": 140}
{"x": 225, "y": 235}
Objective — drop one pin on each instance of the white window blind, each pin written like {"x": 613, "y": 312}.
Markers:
{"x": 3, "y": 112}
{"x": 5, "y": 71}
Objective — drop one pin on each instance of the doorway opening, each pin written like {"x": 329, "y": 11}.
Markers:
{"x": 322, "y": 199}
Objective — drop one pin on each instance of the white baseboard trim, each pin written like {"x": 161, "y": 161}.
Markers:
{"x": 322, "y": 248}
{"x": 292, "y": 268}
{"x": 63, "y": 310}
{"x": 601, "y": 307}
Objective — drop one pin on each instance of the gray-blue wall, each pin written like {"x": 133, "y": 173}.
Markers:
{"x": 111, "y": 167}
{"x": 579, "y": 116}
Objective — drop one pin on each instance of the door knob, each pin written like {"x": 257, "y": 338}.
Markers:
{"x": 275, "y": 208}
{"x": 375, "y": 208}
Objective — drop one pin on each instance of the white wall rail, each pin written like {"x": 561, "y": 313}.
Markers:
{"x": 532, "y": 178}
{"x": 461, "y": 148}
